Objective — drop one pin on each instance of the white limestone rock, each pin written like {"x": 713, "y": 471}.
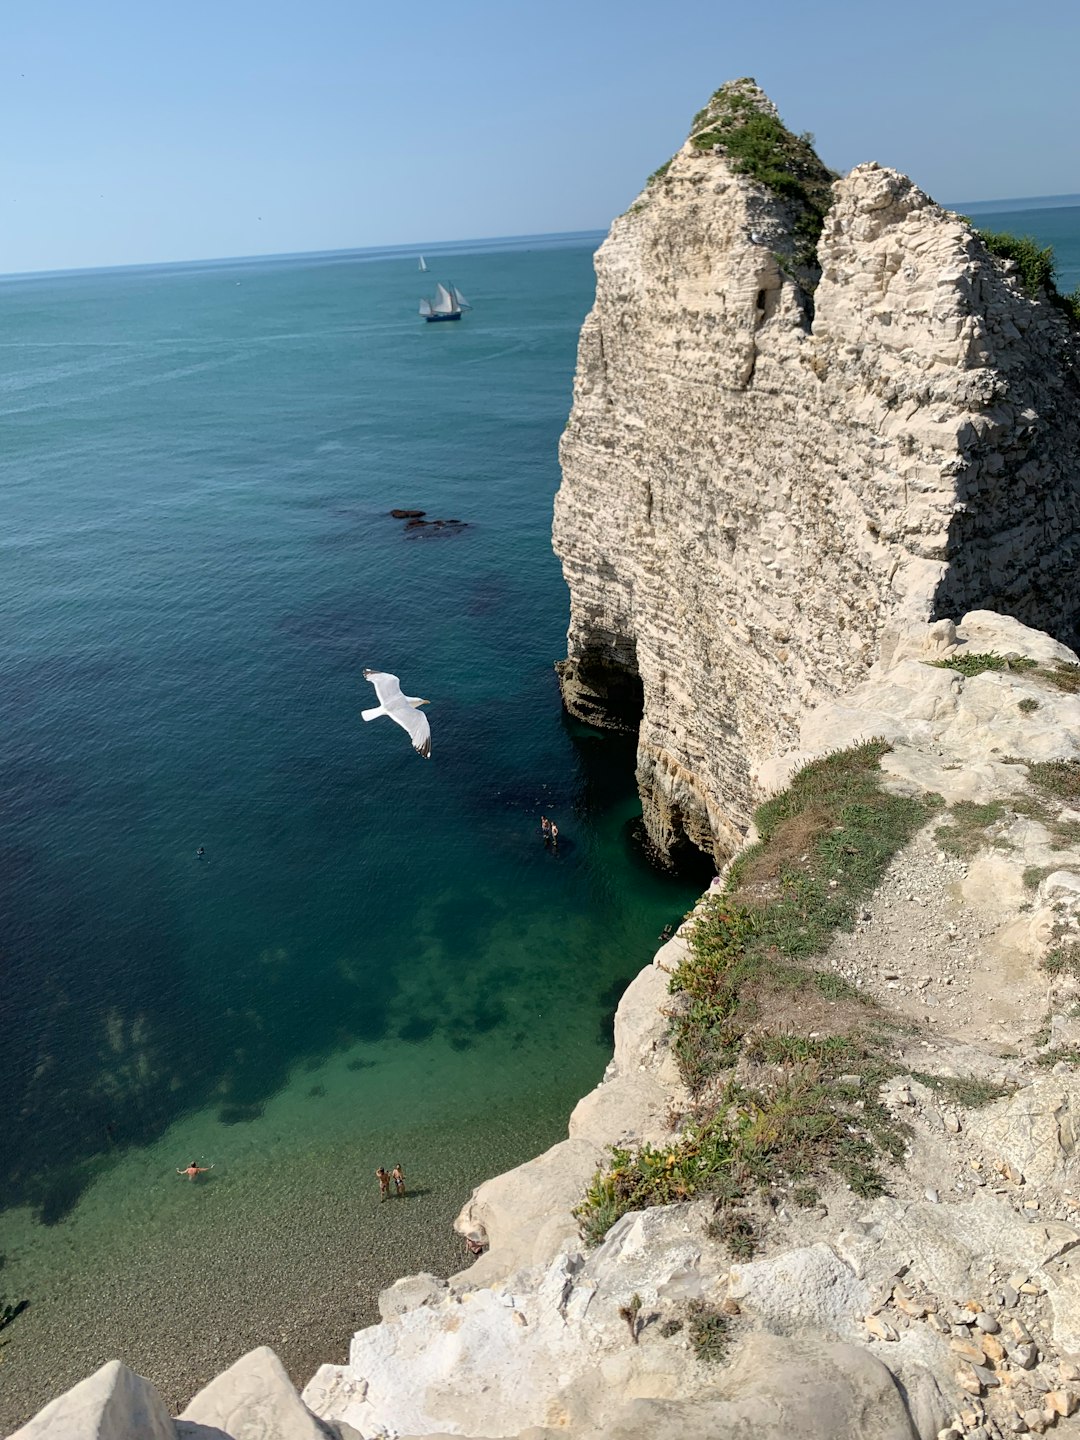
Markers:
{"x": 410, "y": 1292}
{"x": 1035, "y": 1131}
{"x": 797, "y": 1290}
{"x": 112, "y": 1404}
{"x": 759, "y": 490}
{"x": 950, "y": 735}
{"x": 254, "y": 1399}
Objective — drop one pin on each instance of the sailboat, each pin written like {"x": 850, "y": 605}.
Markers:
{"x": 447, "y": 304}
{"x": 423, "y": 264}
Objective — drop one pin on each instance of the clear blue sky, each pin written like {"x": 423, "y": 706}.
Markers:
{"x": 140, "y": 131}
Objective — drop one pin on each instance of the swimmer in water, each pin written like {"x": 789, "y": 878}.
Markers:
{"x": 199, "y": 853}
{"x": 192, "y": 1170}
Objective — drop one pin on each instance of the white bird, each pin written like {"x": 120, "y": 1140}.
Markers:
{"x": 402, "y": 708}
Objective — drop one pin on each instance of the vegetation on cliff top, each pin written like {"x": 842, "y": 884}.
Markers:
{"x": 741, "y": 122}
{"x": 784, "y": 1060}
{"x": 1035, "y": 268}
{"x": 1062, "y": 674}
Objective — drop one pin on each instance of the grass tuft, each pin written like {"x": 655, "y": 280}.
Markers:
{"x": 1062, "y": 674}
{"x": 1063, "y": 960}
{"x": 1069, "y": 1053}
{"x": 971, "y": 665}
{"x": 1060, "y": 778}
{"x": 966, "y": 835}
{"x": 709, "y": 1330}
{"x": 1034, "y": 875}
{"x": 963, "y": 1090}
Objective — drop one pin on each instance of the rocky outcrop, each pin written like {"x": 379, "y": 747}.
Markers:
{"x": 761, "y": 484}
{"x": 112, "y": 1404}
{"x": 252, "y": 1400}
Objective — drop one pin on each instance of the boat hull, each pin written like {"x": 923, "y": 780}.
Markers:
{"x": 433, "y": 319}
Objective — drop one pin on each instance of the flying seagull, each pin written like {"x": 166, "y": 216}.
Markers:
{"x": 402, "y": 708}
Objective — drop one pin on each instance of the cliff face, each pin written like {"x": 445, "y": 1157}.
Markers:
{"x": 762, "y": 480}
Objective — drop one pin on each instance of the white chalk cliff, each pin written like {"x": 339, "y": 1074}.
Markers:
{"x": 771, "y": 503}
{"x": 761, "y": 483}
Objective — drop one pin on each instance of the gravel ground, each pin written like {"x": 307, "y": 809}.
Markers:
{"x": 921, "y": 951}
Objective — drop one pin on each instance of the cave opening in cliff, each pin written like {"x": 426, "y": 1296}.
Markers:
{"x": 683, "y": 858}
{"x": 601, "y": 690}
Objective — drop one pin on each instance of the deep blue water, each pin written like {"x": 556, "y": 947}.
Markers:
{"x": 196, "y": 563}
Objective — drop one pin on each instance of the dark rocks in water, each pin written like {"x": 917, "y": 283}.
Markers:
{"x": 433, "y": 527}
{"x": 417, "y": 522}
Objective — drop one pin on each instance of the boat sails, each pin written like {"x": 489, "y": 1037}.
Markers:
{"x": 447, "y": 304}
{"x": 423, "y": 264}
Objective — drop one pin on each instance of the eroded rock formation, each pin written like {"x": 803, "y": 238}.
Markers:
{"x": 763, "y": 479}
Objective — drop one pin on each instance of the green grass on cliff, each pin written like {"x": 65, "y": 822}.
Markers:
{"x": 1062, "y": 674}
{"x": 784, "y": 1060}
{"x": 761, "y": 147}
{"x": 1035, "y": 266}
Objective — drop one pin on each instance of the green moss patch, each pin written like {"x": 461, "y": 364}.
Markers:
{"x": 966, "y": 833}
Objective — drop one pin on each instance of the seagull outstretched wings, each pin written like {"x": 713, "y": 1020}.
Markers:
{"x": 402, "y": 708}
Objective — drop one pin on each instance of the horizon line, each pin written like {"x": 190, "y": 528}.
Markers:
{"x": 1004, "y": 203}
{"x": 432, "y": 247}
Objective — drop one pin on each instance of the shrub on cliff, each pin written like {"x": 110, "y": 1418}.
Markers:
{"x": 744, "y": 125}
{"x": 1035, "y": 266}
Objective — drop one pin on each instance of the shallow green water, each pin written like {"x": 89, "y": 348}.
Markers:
{"x": 377, "y": 959}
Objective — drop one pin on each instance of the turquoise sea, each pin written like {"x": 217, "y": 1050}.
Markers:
{"x": 377, "y": 959}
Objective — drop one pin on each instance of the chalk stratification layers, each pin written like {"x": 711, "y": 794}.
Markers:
{"x": 779, "y": 452}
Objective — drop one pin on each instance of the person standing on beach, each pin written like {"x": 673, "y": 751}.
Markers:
{"x": 383, "y": 1177}
{"x": 398, "y": 1177}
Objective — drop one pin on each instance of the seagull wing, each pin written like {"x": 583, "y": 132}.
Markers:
{"x": 416, "y": 723}
{"x": 388, "y": 689}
